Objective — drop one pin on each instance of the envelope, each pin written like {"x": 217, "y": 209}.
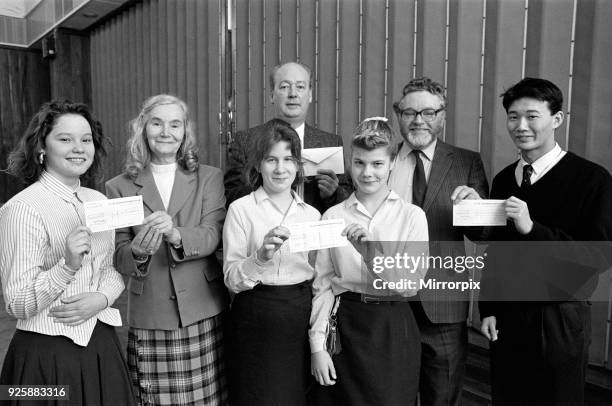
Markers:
{"x": 323, "y": 158}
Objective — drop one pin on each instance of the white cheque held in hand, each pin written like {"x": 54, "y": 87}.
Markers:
{"x": 323, "y": 158}
{"x": 479, "y": 213}
{"x": 316, "y": 235}
{"x": 110, "y": 214}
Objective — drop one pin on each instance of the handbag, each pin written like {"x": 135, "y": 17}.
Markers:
{"x": 333, "y": 340}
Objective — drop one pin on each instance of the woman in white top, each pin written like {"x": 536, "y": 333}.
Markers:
{"x": 58, "y": 278}
{"x": 269, "y": 316}
{"x": 176, "y": 298}
{"x": 379, "y": 358}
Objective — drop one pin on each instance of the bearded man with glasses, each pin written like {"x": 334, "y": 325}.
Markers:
{"x": 433, "y": 174}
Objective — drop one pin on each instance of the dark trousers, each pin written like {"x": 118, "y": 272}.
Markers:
{"x": 541, "y": 354}
{"x": 443, "y": 357}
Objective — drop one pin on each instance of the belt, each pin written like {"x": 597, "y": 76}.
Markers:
{"x": 370, "y": 299}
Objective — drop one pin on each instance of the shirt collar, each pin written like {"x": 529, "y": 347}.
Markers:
{"x": 544, "y": 161}
{"x": 261, "y": 195}
{"x": 352, "y": 199}
{"x": 428, "y": 151}
{"x": 56, "y": 186}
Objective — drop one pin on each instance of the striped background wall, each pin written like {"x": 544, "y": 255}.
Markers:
{"x": 362, "y": 53}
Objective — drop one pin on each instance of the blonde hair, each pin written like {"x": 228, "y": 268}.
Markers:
{"x": 138, "y": 152}
{"x": 374, "y": 133}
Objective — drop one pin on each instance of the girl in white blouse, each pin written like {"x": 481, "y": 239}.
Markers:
{"x": 268, "y": 338}
{"x": 58, "y": 278}
{"x": 379, "y": 359}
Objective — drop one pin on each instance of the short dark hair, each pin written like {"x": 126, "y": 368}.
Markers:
{"x": 23, "y": 160}
{"x": 534, "y": 88}
{"x": 267, "y": 136}
{"x": 375, "y": 133}
{"x": 277, "y": 67}
{"x": 422, "y": 84}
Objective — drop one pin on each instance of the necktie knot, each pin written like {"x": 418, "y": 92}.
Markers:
{"x": 527, "y": 172}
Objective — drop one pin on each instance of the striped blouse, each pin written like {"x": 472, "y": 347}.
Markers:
{"x": 34, "y": 225}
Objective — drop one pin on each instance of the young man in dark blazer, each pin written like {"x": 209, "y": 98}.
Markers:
{"x": 543, "y": 266}
{"x": 432, "y": 174}
{"x": 291, "y": 95}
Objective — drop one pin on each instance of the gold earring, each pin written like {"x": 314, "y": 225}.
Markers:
{"x": 41, "y": 158}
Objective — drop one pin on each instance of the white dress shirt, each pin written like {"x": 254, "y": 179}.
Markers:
{"x": 400, "y": 179}
{"x": 34, "y": 225}
{"x": 341, "y": 269}
{"x": 540, "y": 166}
{"x": 248, "y": 220}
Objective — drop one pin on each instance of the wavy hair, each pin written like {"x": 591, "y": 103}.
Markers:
{"x": 138, "y": 151}
{"x": 270, "y": 133}
{"x": 23, "y": 160}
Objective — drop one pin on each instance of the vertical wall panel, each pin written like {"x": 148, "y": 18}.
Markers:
{"x": 288, "y": 30}
{"x": 242, "y": 81}
{"x": 401, "y": 50}
{"x": 463, "y": 87}
{"x": 549, "y": 32}
{"x": 23, "y": 88}
{"x": 431, "y": 39}
{"x": 373, "y": 59}
{"x": 326, "y": 84}
{"x": 503, "y": 64}
{"x": 349, "y": 72}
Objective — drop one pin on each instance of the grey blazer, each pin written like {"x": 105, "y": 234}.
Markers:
{"x": 176, "y": 288}
{"x": 451, "y": 167}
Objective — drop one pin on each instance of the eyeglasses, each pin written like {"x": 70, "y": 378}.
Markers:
{"x": 426, "y": 114}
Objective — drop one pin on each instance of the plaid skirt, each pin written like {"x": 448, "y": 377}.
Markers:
{"x": 179, "y": 367}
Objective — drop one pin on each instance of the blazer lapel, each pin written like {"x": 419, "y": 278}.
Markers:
{"x": 181, "y": 190}
{"x": 148, "y": 190}
{"x": 442, "y": 162}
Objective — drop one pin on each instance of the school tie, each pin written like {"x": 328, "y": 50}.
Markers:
{"x": 527, "y": 172}
{"x": 419, "y": 183}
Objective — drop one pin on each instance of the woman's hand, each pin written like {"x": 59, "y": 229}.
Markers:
{"x": 272, "y": 243}
{"x": 358, "y": 237}
{"x": 322, "y": 368}
{"x": 79, "y": 308}
{"x": 146, "y": 242}
{"x": 162, "y": 223}
{"x": 78, "y": 243}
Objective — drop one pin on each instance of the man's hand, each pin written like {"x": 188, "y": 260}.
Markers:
{"x": 518, "y": 212}
{"x": 322, "y": 368}
{"x": 488, "y": 328}
{"x": 327, "y": 182}
{"x": 79, "y": 308}
{"x": 464, "y": 192}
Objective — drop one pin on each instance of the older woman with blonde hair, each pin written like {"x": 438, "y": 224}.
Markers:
{"x": 176, "y": 293}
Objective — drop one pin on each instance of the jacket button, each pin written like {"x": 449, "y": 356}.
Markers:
{"x": 173, "y": 297}
{"x": 172, "y": 266}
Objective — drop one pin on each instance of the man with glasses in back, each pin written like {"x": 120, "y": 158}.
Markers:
{"x": 432, "y": 174}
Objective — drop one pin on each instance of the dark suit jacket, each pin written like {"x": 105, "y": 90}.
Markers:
{"x": 243, "y": 143}
{"x": 451, "y": 167}
{"x": 176, "y": 288}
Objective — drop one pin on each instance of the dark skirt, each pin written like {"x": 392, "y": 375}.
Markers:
{"x": 269, "y": 354}
{"x": 179, "y": 367}
{"x": 96, "y": 374}
{"x": 380, "y": 359}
